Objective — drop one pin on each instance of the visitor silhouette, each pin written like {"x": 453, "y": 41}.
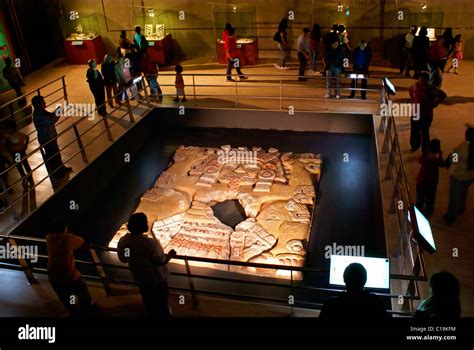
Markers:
{"x": 355, "y": 303}
{"x": 443, "y": 302}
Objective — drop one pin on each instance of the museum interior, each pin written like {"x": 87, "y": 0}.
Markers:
{"x": 282, "y": 152}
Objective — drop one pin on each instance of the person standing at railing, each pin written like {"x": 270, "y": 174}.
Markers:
{"x": 110, "y": 80}
{"x": 428, "y": 97}
{"x": 361, "y": 56}
{"x": 124, "y": 78}
{"x": 179, "y": 84}
{"x": 45, "y": 122}
{"x": 428, "y": 177}
{"x": 147, "y": 262}
{"x": 461, "y": 175}
{"x": 14, "y": 78}
{"x": 149, "y": 66}
{"x": 132, "y": 59}
{"x": 17, "y": 143}
{"x": 303, "y": 52}
{"x": 97, "y": 87}
{"x": 334, "y": 56}
{"x": 63, "y": 275}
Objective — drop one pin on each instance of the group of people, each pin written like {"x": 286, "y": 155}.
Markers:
{"x": 356, "y": 303}
{"x": 460, "y": 161}
{"x": 117, "y": 79}
{"x": 144, "y": 256}
{"x": 148, "y": 265}
{"x": 433, "y": 57}
{"x": 334, "y": 49}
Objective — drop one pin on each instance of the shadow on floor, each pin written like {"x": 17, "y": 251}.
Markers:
{"x": 452, "y": 100}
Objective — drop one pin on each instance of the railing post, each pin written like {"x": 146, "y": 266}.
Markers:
{"x": 81, "y": 146}
{"x": 194, "y": 91}
{"x": 64, "y": 89}
{"x": 292, "y": 293}
{"x": 191, "y": 285}
{"x": 395, "y": 196}
{"x": 107, "y": 128}
{"x": 388, "y": 131}
{"x": 24, "y": 265}
{"x": 12, "y": 112}
{"x": 281, "y": 106}
{"x": 100, "y": 271}
{"x": 236, "y": 93}
{"x": 129, "y": 108}
{"x": 148, "y": 103}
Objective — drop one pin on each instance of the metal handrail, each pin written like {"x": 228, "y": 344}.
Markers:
{"x": 35, "y": 91}
{"x": 190, "y": 275}
{"x": 395, "y": 172}
{"x": 61, "y": 133}
{"x": 145, "y": 87}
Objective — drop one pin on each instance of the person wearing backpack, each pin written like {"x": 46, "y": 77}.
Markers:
{"x": 281, "y": 38}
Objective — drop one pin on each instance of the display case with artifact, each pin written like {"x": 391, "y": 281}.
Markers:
{"x": 241, "y": 17}
{"x": 159, "y": 41}
{"x": 82, "y": 39}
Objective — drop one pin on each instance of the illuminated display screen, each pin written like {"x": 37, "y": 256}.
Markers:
{"x": 378, "y": 270}
{"x": 424, "y": 228}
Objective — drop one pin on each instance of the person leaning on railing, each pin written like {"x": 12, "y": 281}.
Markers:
{"x": 63, "y": 275}
{"x": 147, "y": 262}
{"x": 44, "y": 122}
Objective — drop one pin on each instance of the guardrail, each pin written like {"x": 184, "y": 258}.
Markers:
{"x": 77, "y": 138}
{"x": 391, "y": 147}
{"x": 289, "y": 285}
{"x": 58, "y": 86}
{"x": 400, "y": 204}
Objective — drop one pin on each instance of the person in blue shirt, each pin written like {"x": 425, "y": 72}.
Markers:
{"x": 139, "y": 39}
{"x": 45, "y": 122}
{"x": 361, "y": 56}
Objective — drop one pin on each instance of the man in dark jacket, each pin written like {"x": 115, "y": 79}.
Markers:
{"x": 334, "y": 59}
{"x": 361, "y": 56}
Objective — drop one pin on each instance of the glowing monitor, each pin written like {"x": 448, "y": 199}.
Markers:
{"x": 424, "y": 234}
{"x": 378, "y": 270}
{"x": 390, "y": 86}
